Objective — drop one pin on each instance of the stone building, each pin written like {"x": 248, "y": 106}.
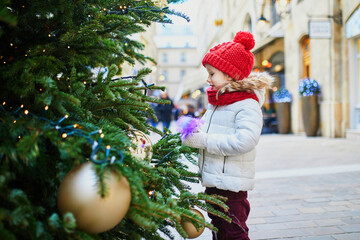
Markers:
{"x": 300, "y": 38}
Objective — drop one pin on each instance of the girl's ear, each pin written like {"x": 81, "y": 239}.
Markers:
{"x": 228, "y": 78}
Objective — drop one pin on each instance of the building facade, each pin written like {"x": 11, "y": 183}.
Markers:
{"x": 301, "y": 38}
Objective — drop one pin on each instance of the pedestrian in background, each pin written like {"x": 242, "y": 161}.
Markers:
{"x": 191, "y": 111}
{"x": 233, "y": 123}
{"x": 165, "y": 111}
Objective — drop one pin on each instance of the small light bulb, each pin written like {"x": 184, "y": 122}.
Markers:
{"x": 64, "y": 135}
{"x": 44, "y": 50}
{"x": 22, "y": 105}
{"x": 76, "y": 125}
{"x": 46, "y": 108}
{"x": 4, "y": 103}
{"x": 49, "y": 35}
{"x": 68, "y": 46}
{"x": 14, "y": 121}
{"x": 108, "y": 147}
{"x": 102, "y": 135}
{"x": 26, "y": 112}
{"x": 100, "y": 131}
{"x": 66, "y": 116}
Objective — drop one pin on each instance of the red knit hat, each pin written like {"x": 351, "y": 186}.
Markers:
{"x": 233, "y": 58}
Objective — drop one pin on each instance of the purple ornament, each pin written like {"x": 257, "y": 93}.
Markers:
{"x": 188, "y": 125}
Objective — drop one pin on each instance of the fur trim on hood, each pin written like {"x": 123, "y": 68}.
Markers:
{"x": 256, "y": 82}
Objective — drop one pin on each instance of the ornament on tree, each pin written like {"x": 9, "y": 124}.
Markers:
{"x": 190, "y": 229}
{"x": 78, "y": 194}
{"x": 143, "y": 144}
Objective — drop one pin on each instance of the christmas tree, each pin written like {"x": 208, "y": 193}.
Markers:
{"x": 66, "y": 132}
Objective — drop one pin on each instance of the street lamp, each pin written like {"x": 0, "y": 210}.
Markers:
{"x": 262, "y": 23}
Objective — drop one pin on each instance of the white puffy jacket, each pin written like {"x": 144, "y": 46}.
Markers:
{"x": 228, "y": 139}
{"x": 233, "y": 131}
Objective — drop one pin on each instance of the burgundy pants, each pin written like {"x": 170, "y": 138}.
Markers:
{"x": 239, "y": 209}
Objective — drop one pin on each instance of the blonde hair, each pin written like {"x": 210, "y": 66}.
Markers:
{"x": 255, "y": 81}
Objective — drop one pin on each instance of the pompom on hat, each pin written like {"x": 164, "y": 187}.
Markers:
{"x": 233, "y": 58}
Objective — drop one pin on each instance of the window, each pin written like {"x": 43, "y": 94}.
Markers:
{"x": 248, "y": 23}
{"x": 164, "y": 57}
{"x": 182, "y": 73}
{"x": 183, "y": 57}
{"x": 306, "y": 60}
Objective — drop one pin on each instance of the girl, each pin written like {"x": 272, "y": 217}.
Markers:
{"x": 233, "y": 123}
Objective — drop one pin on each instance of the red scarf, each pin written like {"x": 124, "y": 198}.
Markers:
{"x": 228, "y": 97}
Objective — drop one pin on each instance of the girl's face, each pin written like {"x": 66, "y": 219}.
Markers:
{"x": 216, "y": 79}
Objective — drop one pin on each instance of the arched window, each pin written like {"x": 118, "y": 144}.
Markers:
{"x": 248, "y": 23}
{"x": 306, "y": 60}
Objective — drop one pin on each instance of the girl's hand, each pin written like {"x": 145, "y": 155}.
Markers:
{"x": 196, "y": 140}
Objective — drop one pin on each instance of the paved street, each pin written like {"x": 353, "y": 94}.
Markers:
{"x": 307, "y": 188}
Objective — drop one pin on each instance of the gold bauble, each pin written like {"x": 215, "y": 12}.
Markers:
{"x": 190, "y": 229}
{"x": 143, "y": 144}
{"x": 78, "y": 194}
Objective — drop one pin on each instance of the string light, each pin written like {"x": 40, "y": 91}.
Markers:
{"x": 44, "y": 50}
{"x": 107, "y": 151}
{"x": 46, "y": 108}
{"x": 76, "y": 125}
{"x": 66, "y": 116}
{"x": 71, "y": 130}
{"x": 68, "y": 46}
{"x": 4, "y": 103}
